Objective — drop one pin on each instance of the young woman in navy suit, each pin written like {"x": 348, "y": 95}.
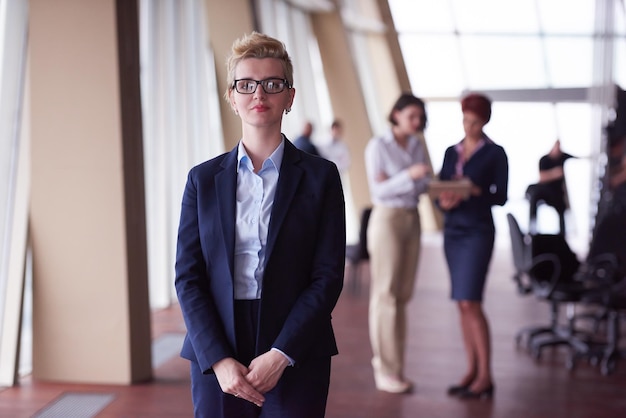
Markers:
{"x": 260, "y": 256}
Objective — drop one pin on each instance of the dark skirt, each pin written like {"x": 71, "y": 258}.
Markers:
{"x": 468, "y": 253}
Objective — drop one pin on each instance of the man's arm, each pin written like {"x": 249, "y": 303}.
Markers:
{"x": 619, "y": 176}
{"x": 551, "y": 174}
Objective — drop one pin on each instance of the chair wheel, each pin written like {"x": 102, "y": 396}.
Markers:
{"x": 529, "y": 344}
{"x": 608, "y": 365}
{"x": 535, "y": 353}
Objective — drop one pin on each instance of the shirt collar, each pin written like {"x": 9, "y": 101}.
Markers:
{"x": 275, "y": 159}
{"x": 483, "y": 140}
{"x": 389, "y": 138}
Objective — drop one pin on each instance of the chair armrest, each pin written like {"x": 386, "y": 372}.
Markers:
{"x": 601, "y": 272}
{"x": 602, "y": 268}
{"x": 544, "y": 286}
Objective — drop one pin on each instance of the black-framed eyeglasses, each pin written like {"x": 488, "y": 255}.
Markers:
{"x": 270, "y": 85}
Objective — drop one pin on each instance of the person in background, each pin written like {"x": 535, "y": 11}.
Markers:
{"x": 617, "y": 163}
{"x": 260, "y": 256}
{"x": 397, "y": 174}
{"x": 610, "y": 222}
{"x": 551, "y": 187}
{"x": 336, "y": 150}
{"x": 469, "y": 234}
{"x": 304, "y": 141}
{"x": 613, "y": 190}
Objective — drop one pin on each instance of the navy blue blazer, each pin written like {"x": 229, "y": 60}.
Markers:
{"x": 487, "y": 168}
{"x": 305, "y": 259}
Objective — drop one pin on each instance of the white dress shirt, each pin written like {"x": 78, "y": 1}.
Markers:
{"x": 336, "y": 151}
{"x": 383, "y": 156}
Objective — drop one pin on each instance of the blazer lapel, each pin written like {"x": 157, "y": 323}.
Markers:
{"x": 226, "y": 190}
{"x": 290, "y": 175}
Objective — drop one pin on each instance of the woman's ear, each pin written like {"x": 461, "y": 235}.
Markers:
{"x": 292, "y": 94}
{"x": 233, "y": 104}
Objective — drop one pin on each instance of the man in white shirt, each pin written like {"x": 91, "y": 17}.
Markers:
{"x": 336, "y": 150}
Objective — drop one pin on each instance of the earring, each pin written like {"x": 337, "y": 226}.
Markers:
{"x": 236, "y": 111}
{"x": 287, "y": 110}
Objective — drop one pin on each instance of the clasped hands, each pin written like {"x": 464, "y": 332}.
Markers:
{"x": 250, "y": 383}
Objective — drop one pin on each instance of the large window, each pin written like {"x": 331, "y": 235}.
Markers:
{"x": 537, "y": 60}
{"x": 290, "y": 22}
{"x": 13, "y": 182}
{"x": 181, "y": 121}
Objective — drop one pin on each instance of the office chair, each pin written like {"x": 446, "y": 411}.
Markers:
{"x": 357, "y": 254}
{"x": 522, "y": 256}
{"x": 523, "y": 261}
{"x": 609, "y": 243}
{"x": 609, "y": 293}
{"x": 607, "y": 253}
{"x": 546, "y": 266}
{"x": 533, "y": 194}
{"x": 612, "y": 352}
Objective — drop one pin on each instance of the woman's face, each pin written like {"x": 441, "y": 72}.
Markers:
{"x": 409, "y": 119}
{"x": 472, "y": 124}
{"x": 260, "y": 109}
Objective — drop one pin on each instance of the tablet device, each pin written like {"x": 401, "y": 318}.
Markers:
{"x": 463, "y": 187}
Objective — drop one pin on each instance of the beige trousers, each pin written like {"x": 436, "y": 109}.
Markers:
{"x": 393, "y": 238}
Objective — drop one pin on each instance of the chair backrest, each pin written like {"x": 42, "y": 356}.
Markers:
{"x": 363, "y": 254}
{"x": 522, "y": 255}
{"x": 520, "y": 245}
{"x": 557, "y": 246}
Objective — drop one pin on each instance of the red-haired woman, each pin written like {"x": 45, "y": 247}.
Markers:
{"x": 469, "y": 236}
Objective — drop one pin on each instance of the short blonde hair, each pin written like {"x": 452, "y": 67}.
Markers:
{"x": 257, "y": 45}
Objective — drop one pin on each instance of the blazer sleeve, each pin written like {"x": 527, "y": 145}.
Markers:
{"x": 307, "y": 330}
{"x": 447, "y": 167}
{"x": 496, "y": 192}
{"x": 205, "y": 331}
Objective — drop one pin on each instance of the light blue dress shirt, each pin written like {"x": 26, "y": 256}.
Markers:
{"x": 255, "y": 199}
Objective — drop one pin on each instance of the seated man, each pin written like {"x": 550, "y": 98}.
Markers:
{"x": 304, "y": 141}
{"x": 551, "y": 187}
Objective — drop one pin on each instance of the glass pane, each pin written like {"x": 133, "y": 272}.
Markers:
{"x": 13, "y": 184}
{"x": 526, "y": 131}
{"x": 7, "y": 168}
{"x": 433, "y": 64}
{"x": 565, "y": 16}
{"x": 489, "y": 16}
{"x": 421, "y": 16}
{"x": 619, "y": 57}
{"x": 570, "y": 61}
{"x": 620, "y": 15}
{"x": 503, "y": 62}
{"x": 574, "y": 123}
{"x": 444, "y": 129}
